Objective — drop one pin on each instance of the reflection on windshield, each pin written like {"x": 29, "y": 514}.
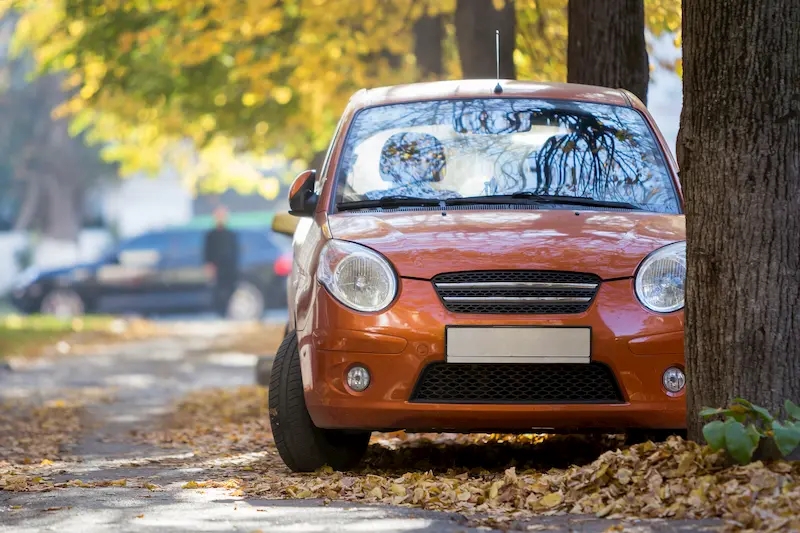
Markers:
{"x": 456, "y": 148}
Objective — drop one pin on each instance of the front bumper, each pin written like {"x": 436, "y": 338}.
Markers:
{"x": 397, "y": 344}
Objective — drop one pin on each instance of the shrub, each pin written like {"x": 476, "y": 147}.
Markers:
{"x": 744, "y": 426}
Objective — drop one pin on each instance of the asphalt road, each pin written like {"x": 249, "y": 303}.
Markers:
{"x": 146, "y": 378}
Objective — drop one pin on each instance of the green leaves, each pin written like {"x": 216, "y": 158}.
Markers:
{"x": 760, "y": 411}
{"x": 787, "y": 437}
{"x": 739, "y": 441}
{"x": 746, "y": 424}
{"x": 792, "y": 409}
{"x": 714, "y": 433}
{"x": 705, "y": 412}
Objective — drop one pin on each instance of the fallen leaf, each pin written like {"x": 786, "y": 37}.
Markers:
{"x": 551, "y": 500}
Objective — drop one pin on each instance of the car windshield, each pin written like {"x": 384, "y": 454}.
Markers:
{"x": 447, "y": 149}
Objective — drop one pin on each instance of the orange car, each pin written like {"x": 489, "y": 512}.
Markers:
{"x": 473, "y": 259}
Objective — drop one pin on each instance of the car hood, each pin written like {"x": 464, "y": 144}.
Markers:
{"x": 422, "y": 244}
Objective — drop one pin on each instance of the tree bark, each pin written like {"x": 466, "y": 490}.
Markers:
{"x": 739, "y": 151}
{"x": 605, "y": 45}
{"x": 30, "y": 203}
{"x": 63, "y": 213}
{"x": 428, "y": 37}
{"x": 476, "y": 22}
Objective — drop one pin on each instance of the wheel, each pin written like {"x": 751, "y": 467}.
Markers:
{"x": 63, "y": 303}
{"x": 303, "y": 446}
{"x": 246, "y": 303}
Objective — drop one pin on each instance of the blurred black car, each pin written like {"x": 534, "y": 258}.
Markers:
{"x": 157, "y": 273}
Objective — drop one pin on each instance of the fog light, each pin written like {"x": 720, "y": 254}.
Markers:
{"x": 358, "y": 378}
{"x": 674, "y": 379}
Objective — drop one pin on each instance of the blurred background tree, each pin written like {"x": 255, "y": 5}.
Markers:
{"x": 222, "y": 88}
{"x": 45, "y": 174}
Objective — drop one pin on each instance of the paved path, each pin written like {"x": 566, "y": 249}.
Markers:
{"x": 146, "y": 378}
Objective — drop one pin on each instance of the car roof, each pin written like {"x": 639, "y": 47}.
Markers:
{"x": 442, "y": 90}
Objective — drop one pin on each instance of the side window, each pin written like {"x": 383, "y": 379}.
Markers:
{"x": 186, "y": 247}
{"x": 148, "y": 241}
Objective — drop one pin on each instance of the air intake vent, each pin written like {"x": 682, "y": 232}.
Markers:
{"x": 517, "y": 384}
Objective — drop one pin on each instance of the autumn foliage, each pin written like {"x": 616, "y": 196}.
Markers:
{"x": 254, "y": 84}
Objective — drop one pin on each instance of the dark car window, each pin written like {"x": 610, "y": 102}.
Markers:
{"x": 148, "y": 241}
{"x": 186, "y": 246}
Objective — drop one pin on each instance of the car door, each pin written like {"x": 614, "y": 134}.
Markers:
{"x": 182, "y": 277}
{"x": 127, "y": 280}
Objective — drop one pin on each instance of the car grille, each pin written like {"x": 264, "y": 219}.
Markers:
{"x": 538, "y": 292}
{"x": 517, "y": 384}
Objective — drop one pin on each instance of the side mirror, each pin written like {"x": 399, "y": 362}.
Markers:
{"x": 284, "y": 223}
{"x": 302, "y": 200}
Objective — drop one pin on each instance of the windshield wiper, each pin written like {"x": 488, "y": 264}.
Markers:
{"x": 388, "y": 202}
{"x": 527, "y": 196}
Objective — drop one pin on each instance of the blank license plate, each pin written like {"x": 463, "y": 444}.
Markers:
{"x": 518, "y": 344}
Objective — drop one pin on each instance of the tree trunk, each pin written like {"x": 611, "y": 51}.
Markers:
{"x": 63, "y": 213}
{"x": 428, "y": 37}
{"x": 739, "y": 151}
{"x": 605, "y": 45}
{"x": 476, "y": 22}
{"x": 30, "y": 205}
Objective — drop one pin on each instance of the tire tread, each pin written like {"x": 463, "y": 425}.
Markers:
{"x": 303, "y": 446}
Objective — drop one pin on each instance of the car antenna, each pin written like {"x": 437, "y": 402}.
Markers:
{"x": 497, "y": 88}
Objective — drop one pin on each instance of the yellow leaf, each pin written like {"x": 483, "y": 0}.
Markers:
{"x": 551, "y": 500}
{"x": 605, "y": 510}
{"x": 282, "y": 95}
{"x": 494, "y": 489}
{"x": 398, "y": 490}
{"x": 190, "y": 485}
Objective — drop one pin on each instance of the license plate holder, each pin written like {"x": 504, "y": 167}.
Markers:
{"x": 518, "y": 344}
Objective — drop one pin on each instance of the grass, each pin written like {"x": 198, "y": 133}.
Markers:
{"x": 26, "y": 335}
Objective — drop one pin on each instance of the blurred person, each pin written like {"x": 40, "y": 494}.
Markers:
{"x": 221, "y": 257}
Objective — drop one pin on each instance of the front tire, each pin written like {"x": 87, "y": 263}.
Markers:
{"x": 62, "y": 303}
{"x": 303, "y": 446}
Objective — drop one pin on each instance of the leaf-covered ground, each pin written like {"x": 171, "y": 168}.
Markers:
{"x": 219, "y": 439}
{"x": 33, "y": 433}
{"x": 500, "y": 478}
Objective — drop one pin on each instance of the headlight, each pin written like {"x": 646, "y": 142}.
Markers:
{"x": 661, "y": 279}
{"x": 357, "y": 276}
